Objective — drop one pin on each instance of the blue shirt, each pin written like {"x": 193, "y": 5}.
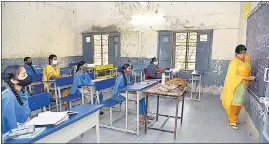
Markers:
{"x": 29, "y": 70}
{"x": 12, "y": 111}
{"x": 80, "y": 78}
{"x": 119, "y": 84}
{"x": 24, "y": 98}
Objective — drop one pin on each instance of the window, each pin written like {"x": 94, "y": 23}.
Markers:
{"x": 185, "y": 50}
{"x": 100, "y": 49}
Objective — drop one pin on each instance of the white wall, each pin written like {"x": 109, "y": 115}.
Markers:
{"x": 141, "y": 41}
{"x": 37, "y": 29}
{"x": 242, "y": 33}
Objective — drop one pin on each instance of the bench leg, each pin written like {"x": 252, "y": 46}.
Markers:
{"x": 70, "y": 105}
{"x": 110, "y": 116}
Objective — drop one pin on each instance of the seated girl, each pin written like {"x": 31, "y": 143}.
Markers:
{"x": 52, "y": 70}
{"x": 153, "y": 69}
{"x": 122, "y": 81}
{"x": 15, "y": 107}
{"x": 82, "y": 77}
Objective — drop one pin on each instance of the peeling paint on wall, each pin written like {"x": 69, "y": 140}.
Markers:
{"x": 41, "y": 30}
{"x": 177, "y": 15}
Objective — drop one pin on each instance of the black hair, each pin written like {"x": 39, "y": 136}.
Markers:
{"x": 124, "y": 67}
{"x": 240, "y": 48}
{"x": 12, "y": 72}
{"x": 81, "y": 63}
{"x": 152, "y": 60}
{"x": 26, "y": 58}
{"x": 51, "y": 57}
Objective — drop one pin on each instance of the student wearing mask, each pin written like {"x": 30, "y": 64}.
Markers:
{"x": 51, "y": 71}
{"x": 153, "y": 69}
{"x": 15, "y": 111}
{"x": 82, "y": 77}
{"x": 28, "y": 66}
{"x": 122, "y": 81}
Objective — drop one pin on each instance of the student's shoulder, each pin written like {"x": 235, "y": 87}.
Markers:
{"x": 47, "y": 66}
{"x": 119, "y": 77}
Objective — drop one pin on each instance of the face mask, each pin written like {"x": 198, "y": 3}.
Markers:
{"x": 84, "y": 68}
{"x": 29, "y": 63}
{"x": 54, "y": 62}
{"x": 27, "y": 81}
{"x": 155, "y": 63}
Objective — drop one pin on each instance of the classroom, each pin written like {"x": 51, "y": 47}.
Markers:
{"x": 135, "y": 72}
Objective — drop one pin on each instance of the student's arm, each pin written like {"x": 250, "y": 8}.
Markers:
{"x": 75, "y": 85}
{"x": 159, "y": 69}
{"x": 117, "y": 86}
{"x": 51, "y": 73}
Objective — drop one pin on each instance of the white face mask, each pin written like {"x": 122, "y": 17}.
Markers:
{"x": 155, "y": 63}
{"x": 54, "y": 62}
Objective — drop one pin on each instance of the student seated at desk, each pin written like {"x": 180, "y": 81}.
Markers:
{"x": 82, "y": 77}
{"x": 17, "y": 79}
{"x": 28, "y": 66}
{"x": 122, "y": 81}
{"x": 12, "y": 111}
{"x": 51, "y": 71}
{"x": 153, "y": 69}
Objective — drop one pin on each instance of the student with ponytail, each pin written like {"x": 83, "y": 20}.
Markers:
{"x": 16, "y": 79}
{"x": 122, "y": 81}
{"x": 81, "y": 77}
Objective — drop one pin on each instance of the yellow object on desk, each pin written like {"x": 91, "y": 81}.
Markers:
{"x": 105, "y": 71}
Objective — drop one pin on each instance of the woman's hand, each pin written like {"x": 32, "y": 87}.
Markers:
{"x": 251, "y": 78}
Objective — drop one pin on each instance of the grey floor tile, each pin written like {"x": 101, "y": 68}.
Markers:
{"x": 204, "y": 121}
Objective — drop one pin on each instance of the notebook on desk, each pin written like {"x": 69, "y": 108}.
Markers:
{"x": 49, "y": 118}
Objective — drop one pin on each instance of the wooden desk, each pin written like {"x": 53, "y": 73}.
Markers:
{"x": 179, "y": 94}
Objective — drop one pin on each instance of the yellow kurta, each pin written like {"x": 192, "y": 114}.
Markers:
{"x": 236, "y": 71}
{"x": 48, "y": 72}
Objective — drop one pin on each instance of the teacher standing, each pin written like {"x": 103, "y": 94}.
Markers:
{"x": 235, "y": 85}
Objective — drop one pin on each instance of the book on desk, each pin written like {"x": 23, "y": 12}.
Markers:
{"x": 50, "y": 118}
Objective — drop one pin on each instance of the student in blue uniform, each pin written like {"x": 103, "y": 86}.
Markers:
{"x": 17, "y": 79}
{"x": 28, "y": 66}
{"x": 82, "y": 77}
{"x": 12, "y": 111}
{"x": 122, "y": 81}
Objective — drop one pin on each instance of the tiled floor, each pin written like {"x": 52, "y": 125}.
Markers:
{"x": 204, "y": 121}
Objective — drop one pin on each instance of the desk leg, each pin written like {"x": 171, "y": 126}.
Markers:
{"x": 191, "y": 85}
{"x": 30, "y": 89}
{"x": 200, "y": 82}
{"x": 97, "y": 100}
{"x": 82, "y": 99}
{"x": 126, "y": 111}
{"x": 135, "y": 77}
{"x": 56, "y": 97}
{"x": 141, "y": 76}
{"x": 158, "y": 100}
{"x": 137, "y": 111}
{"x": 182, "y": 109}
{"x": 146, "y": 113}
{"x": 98, "y": 127}
{"x": 175, "y": 128}
{"x": 92, "y": 95}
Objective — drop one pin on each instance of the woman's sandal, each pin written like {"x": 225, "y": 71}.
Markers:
{"x": 234, "y": 126}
